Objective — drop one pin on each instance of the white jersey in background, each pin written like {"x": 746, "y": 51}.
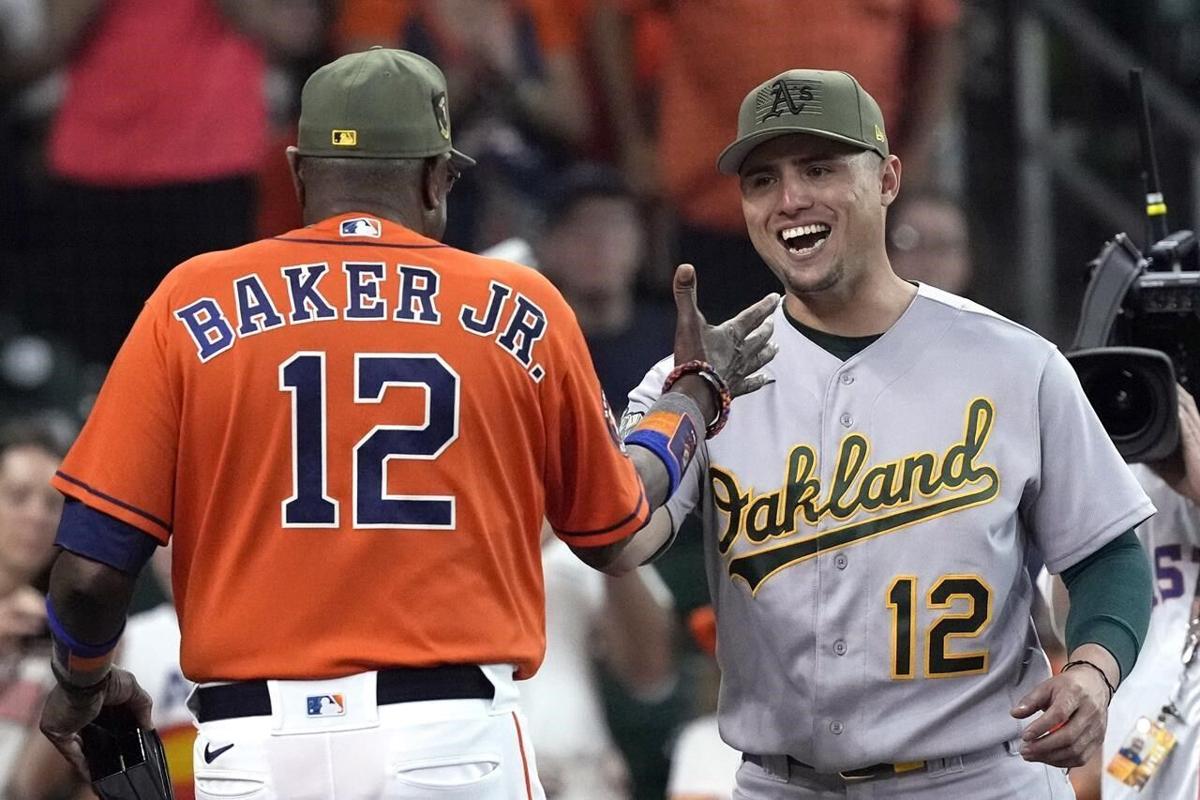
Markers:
{"x": 701, "y": 764}
{"x": 577, "y": 759}
{"x": 868, "y": 525}
{"x": 150, "y": 649}
{"x": 1172, "y": 541}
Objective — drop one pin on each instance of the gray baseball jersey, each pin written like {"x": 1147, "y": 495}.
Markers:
{"x": 870, "y": 526}
{"x": 1172, "y": 541}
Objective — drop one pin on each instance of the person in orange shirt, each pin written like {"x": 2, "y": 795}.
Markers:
{"x": 151, "y": 154}
{"x": 351, "y": 433}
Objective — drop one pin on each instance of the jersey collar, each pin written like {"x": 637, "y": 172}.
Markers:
{"x": 356, "y": 227}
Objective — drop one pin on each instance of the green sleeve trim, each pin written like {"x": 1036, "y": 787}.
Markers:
{"x": 1111, "y": 594}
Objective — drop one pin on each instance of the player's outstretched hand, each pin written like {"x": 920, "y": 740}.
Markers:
{"x": 737, "y": 349}
{"x": 1075, "y": 714}
{"x": 66, "y": 713}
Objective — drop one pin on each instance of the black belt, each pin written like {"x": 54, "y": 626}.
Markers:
{"x": 860, "y": 774}
{"x": 398, "y": 685}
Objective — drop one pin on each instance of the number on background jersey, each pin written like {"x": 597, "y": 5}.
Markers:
{"x": 303, "y": 375}
{"x": 1168, "y": 578}
{"x": 939, "y": 661}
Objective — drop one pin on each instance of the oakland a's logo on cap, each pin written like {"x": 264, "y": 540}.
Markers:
{"x": 787, "y": 97}
{"x": 441, "y": 112}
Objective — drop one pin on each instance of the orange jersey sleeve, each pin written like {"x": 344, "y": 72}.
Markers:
{"x": 351, "y": 435}
{"x": 588, "y": 474}
{"x": 124, "y": 461}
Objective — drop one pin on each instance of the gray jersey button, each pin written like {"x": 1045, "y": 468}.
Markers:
{"x": 840, "y": 561}
{"x": 847, "y": 420}
{"x": 839, "y": 647}
{"x": 836, "y": 728}
{"x": 847, "y": 379}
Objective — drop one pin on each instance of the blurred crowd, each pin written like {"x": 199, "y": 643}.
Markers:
{"x": 137, "y": 133}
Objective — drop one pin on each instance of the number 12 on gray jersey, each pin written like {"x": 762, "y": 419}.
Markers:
{"x": 901, "y": 599}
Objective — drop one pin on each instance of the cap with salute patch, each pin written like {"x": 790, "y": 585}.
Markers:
{"x": 377, "y": 104}
{"x": 823, "y": 103}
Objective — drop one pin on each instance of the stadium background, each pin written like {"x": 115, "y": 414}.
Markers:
{"x": 1031, "y": 165}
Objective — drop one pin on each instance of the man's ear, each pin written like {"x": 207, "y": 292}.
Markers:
{"x": 889, "y": 178}
{"x": 293, "y": 159}
{"x": 432, "y": 180}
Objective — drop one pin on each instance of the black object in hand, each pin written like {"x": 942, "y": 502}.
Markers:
{"x": 126, "y": 762}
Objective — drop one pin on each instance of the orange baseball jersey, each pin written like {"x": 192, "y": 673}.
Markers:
{"x": 352, "y": 434}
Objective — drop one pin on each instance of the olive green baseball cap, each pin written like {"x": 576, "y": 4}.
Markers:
{"x": 379, "y": 103}
{"x": 822, "y": 103}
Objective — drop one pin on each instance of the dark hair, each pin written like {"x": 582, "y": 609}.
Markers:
{"x": 584, "y": 181}
{"x": 31, "y": 433}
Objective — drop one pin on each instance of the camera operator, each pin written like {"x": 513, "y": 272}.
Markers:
{"x": 1167, "y": 673}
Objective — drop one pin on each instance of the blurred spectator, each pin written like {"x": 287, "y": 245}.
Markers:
{"x": 512, "y": 59}
{"x": 29, "y": 511}
{"x": 23, "y": 26}
{"x": 591, "y": 245}
{"x": 153, "y": 150}
{"x": 927, "y": 242}
{"x": 515, "y": 88}
{"x": 703, "y": 766}
{"x": 278, "y": 208}
{"x": 150, "y": 646}
{"x": 902, "y": 51}
{"x": 626, "y": 623}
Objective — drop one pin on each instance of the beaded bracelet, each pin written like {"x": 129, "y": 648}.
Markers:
{"x": 715, "y": 382}
{"x": 1085, "y": 663}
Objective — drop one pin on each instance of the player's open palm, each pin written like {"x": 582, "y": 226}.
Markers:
{"x": 737, "y": 349}
{"x": 1069, "y": 732}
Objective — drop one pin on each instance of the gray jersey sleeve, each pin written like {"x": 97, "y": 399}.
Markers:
{"x": 1085, "y": 494}
{"x": 686, "y": 497}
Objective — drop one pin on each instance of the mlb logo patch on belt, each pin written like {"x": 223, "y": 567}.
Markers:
{"x": 361, "y": 226}
{"x": 326, "y": 705}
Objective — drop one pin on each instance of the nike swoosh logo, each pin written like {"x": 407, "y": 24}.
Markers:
{"x": 212, "y": 755}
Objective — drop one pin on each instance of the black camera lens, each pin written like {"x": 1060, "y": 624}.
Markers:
{"x": 1124, "y": 401}
{"x": 1132, "y": 391}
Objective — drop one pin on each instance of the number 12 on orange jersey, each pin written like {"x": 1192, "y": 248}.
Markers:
{"x": 310, "y": 506}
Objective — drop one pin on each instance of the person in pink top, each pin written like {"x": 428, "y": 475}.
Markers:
{"x": 153, "y": 151}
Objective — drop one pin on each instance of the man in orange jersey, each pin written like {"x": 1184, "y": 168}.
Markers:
{"x": 351, "y": 434}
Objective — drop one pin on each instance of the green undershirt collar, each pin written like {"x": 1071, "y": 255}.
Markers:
{"x": 840, "y": 347}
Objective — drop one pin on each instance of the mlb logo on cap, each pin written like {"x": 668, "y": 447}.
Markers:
{"x": 361, "y": 226}
{"x": 326, "y": 705}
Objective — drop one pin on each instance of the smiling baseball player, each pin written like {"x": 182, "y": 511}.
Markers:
{"x": 870, "y": 517}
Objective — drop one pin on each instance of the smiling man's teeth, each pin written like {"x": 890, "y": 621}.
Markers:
{"x": 802, "y": 230}
{"x": 805, "y": 239}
